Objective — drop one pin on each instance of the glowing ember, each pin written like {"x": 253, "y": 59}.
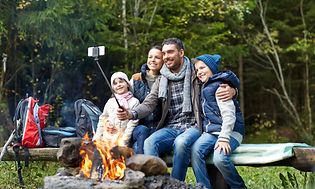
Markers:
{"x": 111, "y": 168}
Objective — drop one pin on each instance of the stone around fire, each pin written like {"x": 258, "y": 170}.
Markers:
{"x": 149, "y": 165}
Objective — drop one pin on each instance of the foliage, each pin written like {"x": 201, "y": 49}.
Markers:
{"x": 269, "y": 177}
{"x": 291, "y": 181}
{"x": 46, "y": 44}
{"x": 264, "y": 130}
{"x": 273, "y": 49}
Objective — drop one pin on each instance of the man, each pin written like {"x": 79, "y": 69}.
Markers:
{"x": 180, "y": 123}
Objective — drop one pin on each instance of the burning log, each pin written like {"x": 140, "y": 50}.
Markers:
{"x": 87, "y": 154}
{"x": 97, "y": 169}
{"x": 101, "y": 161}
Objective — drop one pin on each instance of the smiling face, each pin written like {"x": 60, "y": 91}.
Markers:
{"x": 172, "y": 57}
{"x": 120, "y": 86}
{"x": 155, "y": 61}
{"x": 203, "y": 71}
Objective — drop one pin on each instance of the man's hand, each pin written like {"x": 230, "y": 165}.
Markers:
{"x": 123, "y": 114}
{"x": 223, "y": 146}
{"x": 225, "y": 92}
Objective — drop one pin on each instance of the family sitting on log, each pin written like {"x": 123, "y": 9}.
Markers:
{"x": 188, "y": 108}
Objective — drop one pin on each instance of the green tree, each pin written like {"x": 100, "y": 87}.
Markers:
{"x": 284, "y": 47}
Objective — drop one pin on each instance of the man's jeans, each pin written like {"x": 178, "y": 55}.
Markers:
{"x": 205, "y": 145}
{"x": 139, "y": 134}
{"x": 165, "y": 140}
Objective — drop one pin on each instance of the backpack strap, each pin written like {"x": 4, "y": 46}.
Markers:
{"x": 23, "y": 114}
{"x": 37, "y": 121}
{"x": 77, "y": 105}
{"x": 26, "y": 156}
{"x": 17, "y": 110}
{"x": 17, "y": 119}
{"x": 16, "y": 149}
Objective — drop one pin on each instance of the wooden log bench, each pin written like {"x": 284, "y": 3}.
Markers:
{"x": 299, "y": 156}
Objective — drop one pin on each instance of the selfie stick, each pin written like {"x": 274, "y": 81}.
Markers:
{"x": 109, "y": 85}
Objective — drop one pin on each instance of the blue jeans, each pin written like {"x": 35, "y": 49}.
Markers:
{"x": 139, "y": 134}
{"x": 167, "y": 139}
{"x": 205, "y": 145}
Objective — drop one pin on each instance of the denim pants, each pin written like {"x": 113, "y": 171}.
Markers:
{"x": 205, "y": 145}
{"x": 139, "y": 134}
{"x": 167, "y": 139}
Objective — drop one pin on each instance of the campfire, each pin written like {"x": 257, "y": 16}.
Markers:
{"x": 103, "y": 159}
{"x": 108, "y": 165}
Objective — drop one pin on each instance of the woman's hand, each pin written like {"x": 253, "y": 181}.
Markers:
{"x": 223, "y": 146}
{"x": 225, "y": 92}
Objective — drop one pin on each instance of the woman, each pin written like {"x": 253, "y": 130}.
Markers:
{"x": 141, "y": 86}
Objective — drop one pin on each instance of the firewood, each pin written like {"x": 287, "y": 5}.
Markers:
{"x": 97, "y": 164}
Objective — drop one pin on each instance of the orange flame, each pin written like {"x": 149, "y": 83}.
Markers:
{"x": 86, "y": 163}
{"x": 112, "y": 168}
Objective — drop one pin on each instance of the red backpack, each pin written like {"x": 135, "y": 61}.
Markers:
{"x": 29, "y": 120}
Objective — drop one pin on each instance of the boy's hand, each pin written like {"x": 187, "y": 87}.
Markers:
{"x": 123, "y": 114}
{"x": 223, "y": 146}
{"x": 225, "y": 92}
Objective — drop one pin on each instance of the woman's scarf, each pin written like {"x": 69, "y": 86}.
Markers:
{"x": 185, "y": 73}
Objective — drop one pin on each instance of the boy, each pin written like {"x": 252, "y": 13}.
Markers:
{"x": 223, "y": 125}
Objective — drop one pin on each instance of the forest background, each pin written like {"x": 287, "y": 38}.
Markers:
{"x": 270, "y": 45}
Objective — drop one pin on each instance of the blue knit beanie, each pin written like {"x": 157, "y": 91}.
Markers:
{"x": 212, "y": 61}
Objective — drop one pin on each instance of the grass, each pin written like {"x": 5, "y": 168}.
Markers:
{"x": 269, "y": 177}
{"x": 255, "y": 178}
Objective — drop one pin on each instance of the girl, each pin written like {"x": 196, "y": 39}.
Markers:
{"x": 110, "y": 128}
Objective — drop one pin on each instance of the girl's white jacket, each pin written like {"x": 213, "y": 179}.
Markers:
{"x": 109, "y": 117}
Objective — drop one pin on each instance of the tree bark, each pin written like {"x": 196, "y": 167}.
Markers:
{"x": 124, "y": 17}
{"x": 241, "y": 77}
{"x": 306, "y": 61}
{"x": 36, "y": 154}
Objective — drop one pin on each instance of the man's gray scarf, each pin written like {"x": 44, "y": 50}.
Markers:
{"x": 185, "y": 73}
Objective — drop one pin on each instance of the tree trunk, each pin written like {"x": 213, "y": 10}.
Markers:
{"x": 8, "y": 84}
{"x": 306, "y": 79}
{"x": 241, "y": 77}
{"x": 275, "y": 62}
{"x": 4, "y": 65}
{"x": 124, "y": 24}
